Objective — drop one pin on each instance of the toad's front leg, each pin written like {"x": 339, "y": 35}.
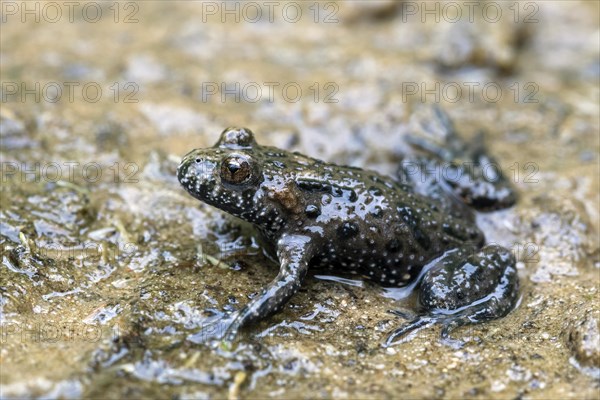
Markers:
{"x": 294, "y": 253}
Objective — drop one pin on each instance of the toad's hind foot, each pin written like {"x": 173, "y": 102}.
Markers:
{"x": 409, "y": 330}
{"x": 484, "y": 310}
{"x": 469, "y": 172}
{"x": 411, "y": 327}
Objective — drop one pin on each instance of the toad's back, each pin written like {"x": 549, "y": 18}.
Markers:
{"x": 366, "y": 222}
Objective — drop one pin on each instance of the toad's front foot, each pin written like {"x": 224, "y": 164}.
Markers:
{"x": 214, "y": 330}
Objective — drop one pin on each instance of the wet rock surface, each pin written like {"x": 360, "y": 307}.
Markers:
{"x": 107, "y": 265}
{"x": 584, "y": 339}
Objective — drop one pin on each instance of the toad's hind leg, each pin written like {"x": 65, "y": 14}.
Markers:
{"x": 463, "y": 169}
{"x": 462, "y": 289}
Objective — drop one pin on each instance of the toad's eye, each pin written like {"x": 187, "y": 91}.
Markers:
{"x": 236, "y": 169}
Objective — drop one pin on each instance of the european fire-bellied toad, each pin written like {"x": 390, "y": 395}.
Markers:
{"x": 391, "y": 230}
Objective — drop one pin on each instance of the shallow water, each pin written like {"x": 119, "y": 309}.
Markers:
{"x": 108, "y": 265}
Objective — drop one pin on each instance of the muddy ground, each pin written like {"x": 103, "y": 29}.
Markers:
{"x": 108, "y": 265}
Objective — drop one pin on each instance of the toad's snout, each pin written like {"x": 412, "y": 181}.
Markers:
{"x": 195, "y": 171}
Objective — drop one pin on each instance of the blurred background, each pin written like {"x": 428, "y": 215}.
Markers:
{"x": 107, "y": 264}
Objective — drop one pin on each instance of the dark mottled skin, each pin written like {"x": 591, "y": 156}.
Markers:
{"x": 389, "y": 230}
